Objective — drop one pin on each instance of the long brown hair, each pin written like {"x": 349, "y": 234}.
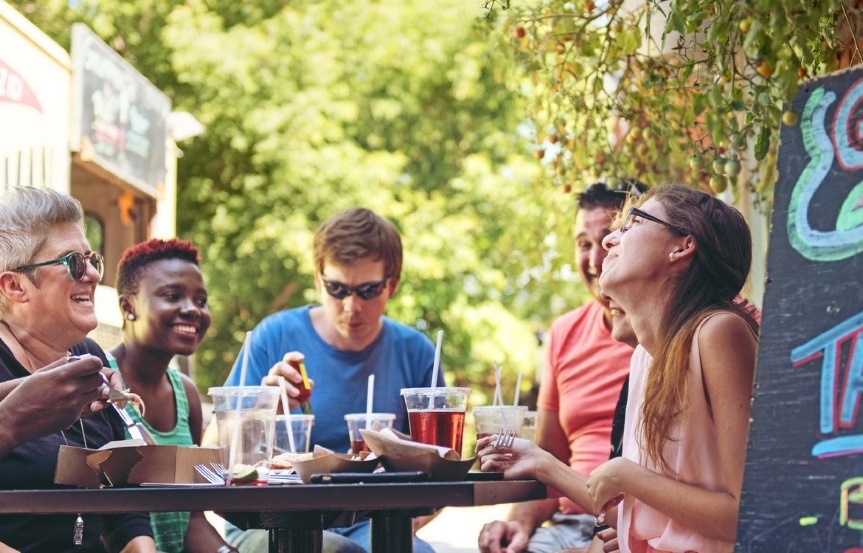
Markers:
{"x": 719, "y": 268}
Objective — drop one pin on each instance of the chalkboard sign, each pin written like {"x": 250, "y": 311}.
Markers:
{"x": 803, "y": 486}
{"x": 120, "y": 118}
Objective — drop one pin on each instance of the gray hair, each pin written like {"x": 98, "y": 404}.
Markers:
{"x": 27, "y": 215}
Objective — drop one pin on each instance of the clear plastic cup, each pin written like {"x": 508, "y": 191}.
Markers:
{"x": 529, "y": 425}
{"x": 436, "y": 415}
{"x": 246, "y": 432}
{"x": 490, "y": 419}
{"x": 371, "y": 421}
{"x": 301, "y": 430}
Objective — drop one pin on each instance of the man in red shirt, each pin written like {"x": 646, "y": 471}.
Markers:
{"x": 580, "y": 385}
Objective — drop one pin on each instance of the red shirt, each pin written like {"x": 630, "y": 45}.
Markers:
{"x": 581, "y": 381}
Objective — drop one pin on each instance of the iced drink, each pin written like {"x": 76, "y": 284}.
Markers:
{"x": 436, "y": 415}
{"x": 371, "y": 421}
{"x": 490, "y": 419}
{"x": 245, "y": 434}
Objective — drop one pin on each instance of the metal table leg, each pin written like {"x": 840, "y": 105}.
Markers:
{"x": 392, "y": 534}
{"x": 283, "y": 540}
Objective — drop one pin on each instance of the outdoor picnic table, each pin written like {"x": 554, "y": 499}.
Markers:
{"x": 296, "y": 514}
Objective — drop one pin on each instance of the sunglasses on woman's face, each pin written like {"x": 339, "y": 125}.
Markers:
{"x": 365, "y": 291}
{"x": 76, "y": 264}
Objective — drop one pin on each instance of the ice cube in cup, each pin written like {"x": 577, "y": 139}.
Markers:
{"x": 371, "y": 421}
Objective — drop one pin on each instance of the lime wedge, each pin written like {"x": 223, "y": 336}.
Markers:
{"x": 244, "y": 473}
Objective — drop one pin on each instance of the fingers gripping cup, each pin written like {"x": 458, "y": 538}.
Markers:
{"x": 371, "y": 421}
{"x": 245, "y": 417}
{"x": 490, "y": 419}
{"x": 436, "y": 415}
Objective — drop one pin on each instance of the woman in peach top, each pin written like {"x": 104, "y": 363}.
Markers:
{"x": 674, "y": 267}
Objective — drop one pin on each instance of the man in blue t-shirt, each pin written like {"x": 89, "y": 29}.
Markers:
{"x": 358, "y": 261}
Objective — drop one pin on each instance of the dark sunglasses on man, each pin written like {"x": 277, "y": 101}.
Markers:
{"x": 367, "y": 291}
{"x": 76, "y": 264}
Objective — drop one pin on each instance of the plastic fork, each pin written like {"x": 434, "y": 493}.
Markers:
{"x": 505, "y": 438}
{"x": 209, "y": 475}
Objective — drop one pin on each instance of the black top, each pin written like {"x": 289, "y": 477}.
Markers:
{"x": 618, "y": 420}
{"x": 32, "y": 465}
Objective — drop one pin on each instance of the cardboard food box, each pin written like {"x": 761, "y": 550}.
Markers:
{"x": 399, "y": 455}
{"x": 325, "y": 461}
{"x": 132, "y": 462}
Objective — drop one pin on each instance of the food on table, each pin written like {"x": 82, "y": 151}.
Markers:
{"x": 285, "y": 461}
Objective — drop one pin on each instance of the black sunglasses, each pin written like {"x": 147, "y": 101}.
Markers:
{"x": 635, "y": 212}
{"x": 365, "y": 291}
{"x": 76, "y": 264}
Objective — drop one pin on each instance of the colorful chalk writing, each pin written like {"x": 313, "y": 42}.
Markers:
{"x": 828, "y": 345}
{"x": 846, "y": 141}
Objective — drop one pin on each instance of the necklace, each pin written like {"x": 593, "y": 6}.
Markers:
{"x": 78, "y": 528}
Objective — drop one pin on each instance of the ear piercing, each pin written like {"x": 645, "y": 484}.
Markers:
{"x": 671, "y": 256}
{"x": 130, "y": 316}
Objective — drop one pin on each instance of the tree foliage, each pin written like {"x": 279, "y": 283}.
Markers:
{"x": 313, "y": 107}
{"x": 672, "y": 90}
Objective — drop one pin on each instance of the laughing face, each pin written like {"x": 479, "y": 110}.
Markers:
{"x": 637, "y": 262}
{"x": 170, "y": 308}
{"x": 63, "y": 307}
{"x": 591, "y": 226}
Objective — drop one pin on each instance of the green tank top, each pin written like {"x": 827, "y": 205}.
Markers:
{"x": 169, "y": 529}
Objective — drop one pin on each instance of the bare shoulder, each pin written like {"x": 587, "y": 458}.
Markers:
{"x": 191, "y": 388}
{"x": 726, "y": 328}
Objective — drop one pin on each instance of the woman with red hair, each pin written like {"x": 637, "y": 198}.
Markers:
{"x": 164, "y": 303}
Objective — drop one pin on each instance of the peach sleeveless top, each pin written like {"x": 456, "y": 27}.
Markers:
{"x": 693, "y": 454}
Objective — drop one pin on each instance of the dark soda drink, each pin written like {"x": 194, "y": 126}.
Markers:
{"x": 441, "y": 428}
{"x": 359, "y": 446}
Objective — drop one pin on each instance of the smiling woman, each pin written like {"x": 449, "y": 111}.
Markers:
{"x": 48, "y": 276}
{"x": 164, "y": 303}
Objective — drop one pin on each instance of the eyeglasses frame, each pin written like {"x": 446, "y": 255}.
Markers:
{"x": 647, "y": 216}
{"x": 87, "y": 258}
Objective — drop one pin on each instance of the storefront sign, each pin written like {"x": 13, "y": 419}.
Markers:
{"x": 120, "y": 118}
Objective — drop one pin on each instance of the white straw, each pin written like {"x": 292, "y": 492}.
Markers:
{"x": 370, "y": 396}
{"x": 283, "y": 385}
{"x": 517, "y": 389}
{"x": 235, "y": 435}
{"x": 436, "y": 365}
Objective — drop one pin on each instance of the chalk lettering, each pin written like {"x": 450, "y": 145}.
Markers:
{"x": 828, "y": 346}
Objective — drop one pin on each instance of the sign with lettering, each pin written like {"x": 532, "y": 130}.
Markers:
{"x": 803, "y": 487}
{"x": 120, "y": 118}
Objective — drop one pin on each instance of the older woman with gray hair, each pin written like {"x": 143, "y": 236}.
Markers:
{"x": 48, "y": 276}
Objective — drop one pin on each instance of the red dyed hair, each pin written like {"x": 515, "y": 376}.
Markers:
{"x": 140, "y": 256}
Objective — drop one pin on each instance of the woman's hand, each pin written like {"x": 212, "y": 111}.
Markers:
{"x": 522, "y": 460}
{"x": 289, "y": 369}
{"x": 609, "y": 540}
{"x": 605, "y": 484}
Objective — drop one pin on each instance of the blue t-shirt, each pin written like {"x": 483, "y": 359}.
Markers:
{"x": 400, "y": 357}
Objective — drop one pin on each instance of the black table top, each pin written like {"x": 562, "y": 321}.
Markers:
{"x": 284, "y": 498}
